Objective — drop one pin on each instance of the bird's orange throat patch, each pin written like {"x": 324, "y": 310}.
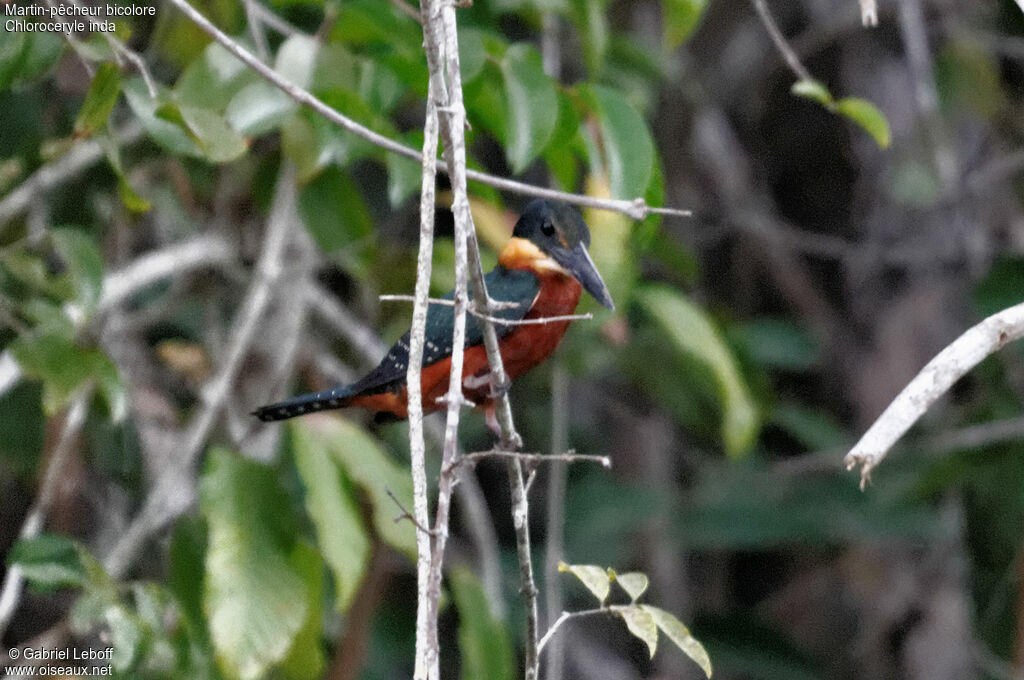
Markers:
{"x": 520, "y": 253}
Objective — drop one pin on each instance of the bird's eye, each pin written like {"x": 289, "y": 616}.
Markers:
{"x": 547, "y": 228}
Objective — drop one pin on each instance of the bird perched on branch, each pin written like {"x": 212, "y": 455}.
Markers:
{"x": 540, "y": 274}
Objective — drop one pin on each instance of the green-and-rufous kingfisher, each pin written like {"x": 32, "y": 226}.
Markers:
{"x": 541, "y": 271}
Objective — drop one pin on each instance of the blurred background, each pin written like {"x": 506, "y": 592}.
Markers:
{"x": 180, "y": 242}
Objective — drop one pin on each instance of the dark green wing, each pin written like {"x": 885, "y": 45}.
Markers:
{"x": 504, "y": 285}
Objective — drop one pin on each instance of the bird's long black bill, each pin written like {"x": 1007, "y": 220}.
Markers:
{"x": 579, "y": 264}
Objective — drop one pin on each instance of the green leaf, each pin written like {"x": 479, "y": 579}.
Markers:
{"x": 167, "y": 134}
{"x": 629, "y": 153}
{"x": 212, "y": 80}
{"x": 99, "y": 101}
{"x": 680, "y": 635}
{"x": 26, "y": 56}
{"x": 813, "y": 428}
{"x": 259, "y": 108}
{"x": 592, "y": 23}
{"x": 306, "y": 660}
{"x": 594, "y": 578}
{"x": 483, "y": 640}
{"x": 334, "y": 509}
{"x": 370, "y": 468}
{"x": 814, "y": 90}
{"x": 219, "y": 141}
{"x": 690, "y": 332}
{"x": 296, "y": 59}
{"x": 404, "y": 175}
{"x": 641, "y": 625}
{"x": 255, "y": 600}
{"x": 865, "y": 114}
{"x": 84, "y": 264}
{"x": 531, "y": 105}
{"x": 49, "y": 561}
{"x": 64, "y": 367}
{"x": 334, "y": 211}
{"x": 131, "y": 199}
{"x": 634, "y": 583}
{"x": 775, "y": 343}
{"x": 681, "y": 19}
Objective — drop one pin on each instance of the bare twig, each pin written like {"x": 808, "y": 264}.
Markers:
{"x": 427, "y": 653}
{"x": 569, "y": 616}
{"x": 569, "y": 456}
{"x": 932, "y": 382}
{"x": 784, "y": 48}
{"x": 81, "y": 156}
{"x": 10, "y": 592}
{"x": 554, "y": 536}
{"x": 446, "y": 92}
{"x": 203, "y": 251}
{"x": 636, "y": 208}
{"x": 405, "y": 514}
{"x": 167, "y": 500}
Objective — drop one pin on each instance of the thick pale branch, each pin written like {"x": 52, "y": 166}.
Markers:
{"x": 534, "y": 458}
{"x": 932, "y": 382}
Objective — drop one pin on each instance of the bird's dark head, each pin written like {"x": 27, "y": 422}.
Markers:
{"x": 559, "y": 232}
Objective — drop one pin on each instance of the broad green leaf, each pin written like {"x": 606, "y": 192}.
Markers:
{"x": 641, "y": 625}
{"x": 49, "y": 561}
{"x": 26, "y": 56}
{"x": 126, "y": 637}
{"x": 813, "y": 428}
{"x": 258, "y": 108}
{"x": 681, "y": 18}
{"x": 865, "y": 114}
{"x": 774, "y": 343}
{"x": 334, "y": 211}
{"x": 334, "y": 509}
{"x": 23, "y": 423}
{"x": 814, "y": 90}
{"x": 531, "y": 105}
{"x": 186, "y": 568}
{"x": 591, "y": 21}
{"x": 99, "y": 101}
{"x": 255, "y": 600}
{"x": 610, "y": 247}
{"x": 84, "y": 264}
{"x": 131, "y": 199}
{"x": 404, "y": 175}
{"x": 680, "y": 635}
{"x": 167, "y": 134}
{"x": 370, "y": 468}
{"x": 296, "y": 59}
{"x": 219, "y": 141}
{"x": 306, "y": 660}
{"x": 483, "y": 641}
{"x": 594, "y": 578}
{"x": 212, "y": 80}
{"x": 629, "y": 154}
{"x": 690, "y": 332}
{"x": 64, "y": 367}
{"x": 634, "y": 583}
{"x": 472, "y": 54}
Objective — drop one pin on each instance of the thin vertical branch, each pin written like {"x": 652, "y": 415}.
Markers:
{"x": 554, "y": 537}
{"x": 427, "y": 652}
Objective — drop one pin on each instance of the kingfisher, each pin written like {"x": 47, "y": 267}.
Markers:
{"x": 541, "y": 273}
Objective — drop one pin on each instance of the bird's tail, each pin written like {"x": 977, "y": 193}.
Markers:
{"x": 336, "y": 397}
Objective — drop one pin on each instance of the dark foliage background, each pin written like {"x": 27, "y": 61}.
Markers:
{"x": 751, "y": 345}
